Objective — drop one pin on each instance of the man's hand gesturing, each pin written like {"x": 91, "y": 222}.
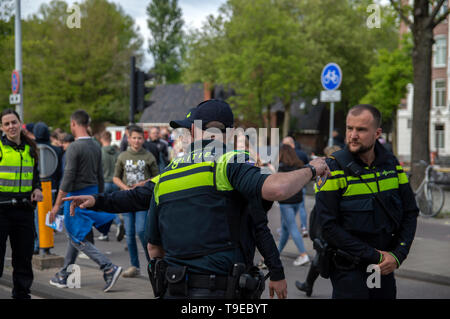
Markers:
{"x": 83, "y": 201}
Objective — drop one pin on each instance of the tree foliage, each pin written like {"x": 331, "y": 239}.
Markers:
{"x": 388, "y": 79}
{"x": 275, "y": 50}
{"x": 65, "y": 69}
{"x": 7, "y": 58}
{"x": 165, "y": 22}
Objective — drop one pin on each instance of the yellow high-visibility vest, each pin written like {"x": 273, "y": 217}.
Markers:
{"x": 16, "y": 169}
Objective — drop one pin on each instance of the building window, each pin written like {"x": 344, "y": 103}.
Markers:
{"x": 409, "y": 123}
{"x": 439, "y": 135}
{"x": 439, "y": 93}
{"x": 440, "y": 51}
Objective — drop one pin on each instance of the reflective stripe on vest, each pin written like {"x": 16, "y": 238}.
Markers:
{"x": 16, "y": 169}
{"x": 207, "y": 174}
{"x": 387, "y": 180}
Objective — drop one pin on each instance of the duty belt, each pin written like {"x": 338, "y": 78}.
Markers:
{"x": 211, "y": 282}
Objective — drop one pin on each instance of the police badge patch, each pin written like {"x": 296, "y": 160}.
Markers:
{"x": 320, "y": 181}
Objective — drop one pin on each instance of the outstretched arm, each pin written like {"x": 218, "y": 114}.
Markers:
{"x": 281, "y": 186}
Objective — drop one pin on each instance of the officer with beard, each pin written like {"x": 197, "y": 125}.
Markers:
{"x": 367, "y": 211}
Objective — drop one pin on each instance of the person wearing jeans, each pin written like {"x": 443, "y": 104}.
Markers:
{"x": 289, "y": 227}
{"x": 133, "y": 168}
{"x": 109, "y": 159}
{"x": 83, "y": 175}
{"x": 303, "y": 216}
{"x": 89, "y": 250}
{"x": 135, "y": 225}
{"x": 288, "y": 162}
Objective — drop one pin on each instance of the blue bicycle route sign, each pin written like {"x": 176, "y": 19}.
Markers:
{"x": 331, "y": 77}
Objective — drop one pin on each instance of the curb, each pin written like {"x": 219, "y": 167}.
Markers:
{"x": 423, "y": 276}
{"x": 45, "y": 291}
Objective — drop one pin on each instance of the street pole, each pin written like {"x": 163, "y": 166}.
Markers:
{"x": 330, "y": 138}
{"x": 18, "y": 38}
{"x": 132, "y": 89}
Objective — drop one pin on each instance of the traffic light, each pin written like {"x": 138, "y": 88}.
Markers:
{"x": 138, "y": 90}
{"x": 142, "y": 90}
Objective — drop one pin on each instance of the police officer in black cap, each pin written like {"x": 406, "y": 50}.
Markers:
{"x": 194, "y": 217}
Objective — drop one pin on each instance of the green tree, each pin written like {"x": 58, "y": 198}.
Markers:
{"x": 262, "y": 60}
{"x": 337, "y": 31}
{"x": 267, "y": 50}
{"x": 166, "y": 45}
{"x": 388, "y": 79}
{"x": 203, "y": 47}
{"x": 6, "y": 51}
{"x": 66, "y": 69}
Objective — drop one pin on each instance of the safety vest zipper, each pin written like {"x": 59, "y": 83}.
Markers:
{"x": 20, "y": 174}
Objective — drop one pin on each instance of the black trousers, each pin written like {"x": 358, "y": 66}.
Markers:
{"x": 18, "y": 225}
{"x": 352, "y": 284}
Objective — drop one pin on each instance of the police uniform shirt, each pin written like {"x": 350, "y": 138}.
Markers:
{"x": 348, "y": 216}
{"x": 246, "y": 181}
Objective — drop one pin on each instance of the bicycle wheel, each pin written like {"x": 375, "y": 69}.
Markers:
{"x": 431, "y": 200}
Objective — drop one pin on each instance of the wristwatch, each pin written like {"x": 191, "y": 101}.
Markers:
{"x": 313, "y": 170}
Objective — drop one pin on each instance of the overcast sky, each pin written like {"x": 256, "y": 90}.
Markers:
{"x": 194, "y": 13}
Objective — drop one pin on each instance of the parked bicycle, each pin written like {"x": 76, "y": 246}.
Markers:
{"x": 429, "y": 196}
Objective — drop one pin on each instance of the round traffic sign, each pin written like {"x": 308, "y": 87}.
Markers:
{"x": 331, "y": 77}
{"x": 15, "y": 82}
{"x": 48, "y": 161}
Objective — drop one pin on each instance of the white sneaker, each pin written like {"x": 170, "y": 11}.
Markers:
{"x": 304, "y": 232}
{"x": 83, "y": 255}
{"x": 301, "y": 260}
{"x": 103, "y": 237}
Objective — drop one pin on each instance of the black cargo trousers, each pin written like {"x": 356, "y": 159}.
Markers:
{"x": 18, "y": 225}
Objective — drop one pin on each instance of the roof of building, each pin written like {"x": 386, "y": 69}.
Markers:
{"x": 172, "y": 102}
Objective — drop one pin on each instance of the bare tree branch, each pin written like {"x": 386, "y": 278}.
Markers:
{"x": 440, "y": 18}
{"x": 398, "y": 8}
{"x": 436, "y": 9}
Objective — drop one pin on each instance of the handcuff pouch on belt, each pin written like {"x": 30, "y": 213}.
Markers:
{"x": 344, "y": 261}
{"x": 177, "y": 280}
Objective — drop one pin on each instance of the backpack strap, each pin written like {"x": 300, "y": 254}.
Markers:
{"x": 347, "y": 163}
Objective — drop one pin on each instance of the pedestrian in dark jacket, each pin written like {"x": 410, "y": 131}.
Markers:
{"x": 109, "y": 158}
